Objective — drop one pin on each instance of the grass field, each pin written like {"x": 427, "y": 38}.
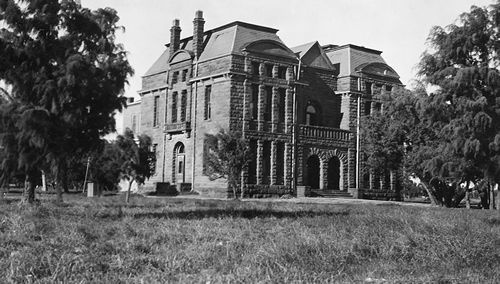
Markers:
{"x": 201, "y": 241}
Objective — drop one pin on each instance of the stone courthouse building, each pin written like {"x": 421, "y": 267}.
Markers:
{"x": 298, "y": 107}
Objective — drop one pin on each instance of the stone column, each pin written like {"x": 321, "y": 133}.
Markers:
{"x": 274, "y": 150}
{"x": 289, "y": 110}
{"x": 323, "y": 174}
{"x": 372, "y": 180}
{"x": 351, "y": 168}
{"x": 248, "y": 65}
{"x": 288, "y": 164}
{"x": 275, "y": 71}
{"x": 289, "y": 73}
{"x": 274, "y": 105}
{"x": 260, "y": 161}
{"x": 383, "y": 185}
{"x": 262, "y": 69}
{"x": 394, "y": 181}
{"x": 247, "y": 89}
{"x": 261, "y": 110}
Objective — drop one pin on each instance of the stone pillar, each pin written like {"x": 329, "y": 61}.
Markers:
{"x": 275, "y": 71}
{"x": 244, "y": 178}
{"x": 383, "y": 185}
{"x": 394, "y": 181}
{"x": 323, "y": 174}
{"x": 261, "y": 110}
{"x": 274, "y": 108}
{"x": 288, "y": 164}
{"x": 262, "y": 69}
{"x": 289, "y": 74}
{"x": 351, "y": 168}
{"x": 260, "y": 161}
{"x": 247, "y": 89}
{"x": 274, "y": 150}
{"x": 289, "y": 110}
{"x": 372, "y": 180}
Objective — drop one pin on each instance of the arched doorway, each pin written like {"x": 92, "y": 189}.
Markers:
{"x": 313, "y": 172}
{"x": 179, "y": 164}
{"x": 334, "y": 173}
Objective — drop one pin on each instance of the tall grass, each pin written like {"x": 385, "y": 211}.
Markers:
{"x": 195, "y": 241}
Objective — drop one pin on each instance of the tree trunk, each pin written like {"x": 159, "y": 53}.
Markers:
{"x": 430, "y": 193}
{"x": 492, "y": 196}
{"x": 29, "y": 188}
{"x": 127, "y": 196}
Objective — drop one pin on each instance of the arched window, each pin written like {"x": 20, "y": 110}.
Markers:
{"x": 312, "y": 115}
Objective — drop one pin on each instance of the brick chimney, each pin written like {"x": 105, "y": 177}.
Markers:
{"x": 175, "y": 37}
{"x": 198, "y": 24}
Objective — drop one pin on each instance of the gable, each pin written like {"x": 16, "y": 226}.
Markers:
{"x": 180, "y": 56}
{"x": 316, "y": 57}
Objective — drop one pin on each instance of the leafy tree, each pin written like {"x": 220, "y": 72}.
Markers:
{"x": 138, "y": 159}
{"x": 450, "y": 137}
{"x": 66, "y": 75}
{"x": 105, "y": 167}
{"x": 226, "y": 155}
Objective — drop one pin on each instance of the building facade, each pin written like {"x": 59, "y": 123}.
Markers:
{"x": 298, "y": 107}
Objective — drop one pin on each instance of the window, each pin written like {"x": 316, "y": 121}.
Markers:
{"x": 175, "y": 77}
{"x": 184, "y": 75}
{"x": 312, "y": 115}
{"x": 268, "y": 95}
{"x": 269, "y": 70}
{"x": 208, "y": 106}
{"x": 183, "y": 105}
{"x": 254, "y": 102}
{"x": 134, "y": 123}
{"x": 388, "y": 88}
{"x": 252, "y": 165}
{"x": 155, "y": 111}
{"x": 255, "y": 68}
{"x": 336, "y": 66}
{"x": 368, "y": 87}
{"x": 282, "y": 72}
{"x": 174, "y": 107}
{"x": 266, "y": 163}
{"x": 368, "y": 107}
{"x": 281, "y": 105}
{"x": 280, "y": 163}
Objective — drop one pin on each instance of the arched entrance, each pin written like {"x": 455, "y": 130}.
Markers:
{"x": 334, "y": 174}
{"x": 179, "y": 164}
{"x": 313, "y": 172}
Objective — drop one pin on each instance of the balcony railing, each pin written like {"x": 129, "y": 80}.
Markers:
{"x": 178, "y": 127}
{"x": 267, "y": 126}
{"x": 311, "y": 131}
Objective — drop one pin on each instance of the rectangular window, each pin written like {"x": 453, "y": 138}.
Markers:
{"x": 368, "y": 107}
{"x": 174, "y": 107}
{"x": 280, "y": 163}
{"x": 155, "y": 111}
{"x": 266, "y": 165}
{"x": 175, "y": 77}
{"x": 252, "y": 165}
{"x": 255, "y": 68}
{"x": 208, "y": 105}
{"x": 368, "y": 87}
{"x": 183, "y": 105}
{"x": 268, "y": 95}
{"x": 184, "y": 75}
{"x": 269, "y": 70}
{"x": 281, "y": 105}
{"x": 254, "y": 101}
{"x": 388, "y": 88}
{"x": 282, "y": 72}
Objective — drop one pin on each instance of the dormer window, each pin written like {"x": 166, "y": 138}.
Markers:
{"x": 269, "y": 70}
{"x": 184, "y": 75}
{"x": 255, "y": 68}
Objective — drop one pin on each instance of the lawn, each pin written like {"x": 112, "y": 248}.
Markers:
{"x": 202, "y": 241}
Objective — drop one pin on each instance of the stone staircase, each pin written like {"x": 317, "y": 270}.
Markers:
{"x": 330, "y": 193}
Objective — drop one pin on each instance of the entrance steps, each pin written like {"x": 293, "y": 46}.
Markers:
{"x": 329, "y": 193}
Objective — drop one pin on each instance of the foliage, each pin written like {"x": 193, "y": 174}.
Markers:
{"x": 105, "y": 166}
{"x": 220, "y": 241}
{"x": 138, "y": 161}
{"x": 225, "y": 156}
{"x": 66, "y": 75}
{"x": 452, "y": 135}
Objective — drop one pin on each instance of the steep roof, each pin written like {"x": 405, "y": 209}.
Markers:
{"x": 312, "y": 55}
{"x": 353, "y": 59}
{"x": 160, "y": 65}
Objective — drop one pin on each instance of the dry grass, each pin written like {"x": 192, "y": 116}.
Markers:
{"x": 197, "y": 241}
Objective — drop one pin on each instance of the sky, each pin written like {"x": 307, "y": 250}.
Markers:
{"x": 398, "y": 28}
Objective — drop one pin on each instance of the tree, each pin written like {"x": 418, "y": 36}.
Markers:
{"x": 138, "y": 159}
{"x": 66, "y": 76}
{"x": 450, "y": 137}
{"x": 226, "y": 155}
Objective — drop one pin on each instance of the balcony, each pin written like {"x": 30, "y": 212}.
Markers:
{"x": 178, "y": 127}
{"x": 324, "y": 133}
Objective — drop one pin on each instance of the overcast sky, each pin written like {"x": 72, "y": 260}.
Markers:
{"x": 399, "y": 28}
